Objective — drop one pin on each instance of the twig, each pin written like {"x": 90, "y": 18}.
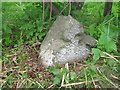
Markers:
{"x": 111, "y": 56}
{"x": 36, "y": 43}
{"x": 2, "y": 81}
{"x": 77, "y": 83}
{"x": 39, "y": 84}
{"x": 93, "y": 81}
{"x": 63, "y": 78}
{"x": 67, "y": 74}
{"x": 74, "y": 65}
{"x": 50, "y": 86}
{"x": 97, "y": 86}
{"x": 114, "y": 77}
{"x": 50, "y": 9}
{"x": 69, "y": 7}
{"x": 107, "y": 78}
{"x": 86, "y": 79}
{"x": 20, "y": 84}
{"x": 11, "y": 55}
{"x": 67, "y": 66}
{"x": 63, "y": 9}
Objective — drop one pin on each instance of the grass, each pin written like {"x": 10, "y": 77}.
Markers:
{"x": 22, "y": 70}
{"x": 21, "y": 66}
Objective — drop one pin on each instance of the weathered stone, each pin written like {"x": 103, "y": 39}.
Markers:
{"x": 65, "y": 42}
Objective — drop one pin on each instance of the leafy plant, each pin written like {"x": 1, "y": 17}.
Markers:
{"x": 106, "y": 40}
{"x": 58, "y": 74}
{"x": 29, "y": 29}
{"x": 24, "y": 23}
{"x": 97, "y": 54}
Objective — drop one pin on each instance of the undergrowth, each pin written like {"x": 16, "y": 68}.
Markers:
{"x": 25, "y": 26}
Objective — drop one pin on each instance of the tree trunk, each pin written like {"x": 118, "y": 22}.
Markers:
{"x": 107, "y": 8}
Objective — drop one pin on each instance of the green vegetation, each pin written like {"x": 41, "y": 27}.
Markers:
{"x": 24, "y": 26}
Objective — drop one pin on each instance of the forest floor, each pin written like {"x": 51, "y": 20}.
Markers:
{"x": 22, "y": 69}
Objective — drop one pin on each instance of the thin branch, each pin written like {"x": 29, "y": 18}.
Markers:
{"x": 50, "y": 9}
{"x": 67, "y": 66}
{"x": 69, "y": 7}
{"x": 63, "y": 10}
{"x": 78, "y": 83}
{"x": 63, "y": 78}
{"x": 39, "y": 84}
{"x": 93, "y": 81}
{"x": 2, "y": 81}
{"x": 107, "y": 8}
{"x": 107, "y": 78}
{"x": 115, "y": 77}
{"x": 74, "y": 65}
{"x": 50, "y": 86}
{"x": 19, "y": 84}
{"x": 111, "y": 57}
